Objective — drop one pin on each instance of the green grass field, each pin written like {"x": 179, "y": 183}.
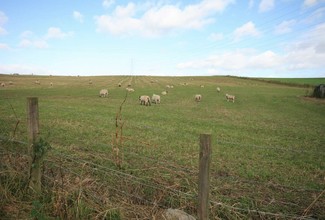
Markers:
{"x": 267, "y": 148}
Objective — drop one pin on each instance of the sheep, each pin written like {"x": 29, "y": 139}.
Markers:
{"x": 129, "y": 89}
{"x": 230, "y": 97}
{"x": 155, "y": 99}
{"x": 51, "y": 84}
{"x": 10, "y": 83}
{"x": 218, "y": 89}
{"x": 202, "y": 86}
{"x": 3, "y": 84}
{"x": 103, "y": 93}
{"x": 168, "y": 86}
{"x": 145, "y": 100}
{"x": 37, "y": 82}
{"x": 90, "y": 82}
{"x": 198, "y": 97}
{"x": 164, "y": 92}
{"x": 119, "y": 85}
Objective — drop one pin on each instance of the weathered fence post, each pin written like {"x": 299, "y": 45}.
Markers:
{"x": 204, "y": 179}
{"x": 33, "y": 131}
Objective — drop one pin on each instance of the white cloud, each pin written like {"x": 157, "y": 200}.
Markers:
{"x": 108, "y": 3}
{"x": 30, "y": 40}
{"x": 310, "y": 3}
{"x": 307, "y": 53}
{"x": 3, "y": 31}
{"x": 27, "y": 34}
{"x": 244, "y": 59}
{"x": 78, "y": 16}
{"x": 3, "y": 20}
{"x": 56, "y": 33}
{"x": 159, "y": 19}
{"x": 251, "y": 4}
{"x": 317, "y": 15}
{"x": 284, "y": 27}
{"x": 266, "y": 5}
{"x": 246, "y": 30}
{"x": 4, "y": 46}
{"x": 216, "y": 36}
{"x": 24, "y": 69}
{"x": 41, "y": 44}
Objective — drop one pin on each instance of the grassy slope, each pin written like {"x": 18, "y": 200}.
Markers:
{"x": 297, "y": 81}
{"x": 272, "y": 134}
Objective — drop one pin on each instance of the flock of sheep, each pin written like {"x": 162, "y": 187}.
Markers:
{"x": 146, "y": 100}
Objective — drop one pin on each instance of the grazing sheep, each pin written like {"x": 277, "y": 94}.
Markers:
{"x": 10, "y": 83}
{"x": 103, "y": 93}
{"x": 90, "y": 82}
{"x": 164, "y": 92}
{"x": 129, "y": 89}
{"x": 119, "y": 84}
{"x": 202, "y": 86}
{"x": 155, "y": 99}
{"x": 171, "y": 86}
{"x": 198, "y": 98}
{"x": 230, "y": 97}
{"x": 51, "y": 84}
{"x": 37, "y": 82}
{"x": 218, "y": 89}
{"x": 145, "y": 100}
{"x": 129, "y": 85}
{"x": 3, "y": 84}
{"x": 168, "y": 86}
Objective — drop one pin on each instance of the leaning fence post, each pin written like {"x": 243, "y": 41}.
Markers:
{"x": 204, "y": 180}
{"x": 33, "y": 131}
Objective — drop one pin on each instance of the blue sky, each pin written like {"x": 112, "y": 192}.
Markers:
{"x": 257, "y": 38}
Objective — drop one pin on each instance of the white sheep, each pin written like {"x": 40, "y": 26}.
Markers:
{"x": 155, "y": 99}
{"x": 198, "y": 97}
{"x": 230, "y": 97}
{"x": 168, "y": 86}
{"x": 130, "y": 89}
{"x": 3, "y": 84}
{"x": 119, "y": 84}
{"x": 51, "y": 84}
{"x": 37, "y": 82}
{"x": 218, "y": 89}
{"x": 145, "y": 100}
{"x": 103, "y": 93}
{"x": 202, "y": 86}
{"x": 164, "y": 92}
{"x": 10, "y": 83}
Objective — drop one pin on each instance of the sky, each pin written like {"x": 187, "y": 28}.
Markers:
{"x": 250, "y": 38}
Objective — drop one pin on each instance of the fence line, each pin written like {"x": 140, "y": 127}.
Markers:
{"x": 195, "y": 172}
{"x": 138, "y": 180}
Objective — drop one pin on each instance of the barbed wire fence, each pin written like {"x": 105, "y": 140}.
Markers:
{"x": 91, "y": 176}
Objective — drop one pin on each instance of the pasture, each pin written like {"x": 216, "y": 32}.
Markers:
{"x": 268, "y": 147}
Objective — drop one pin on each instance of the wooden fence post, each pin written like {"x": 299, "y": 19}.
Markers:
{"x": 204, "y": 176}
{"x": 33, "y": 131}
